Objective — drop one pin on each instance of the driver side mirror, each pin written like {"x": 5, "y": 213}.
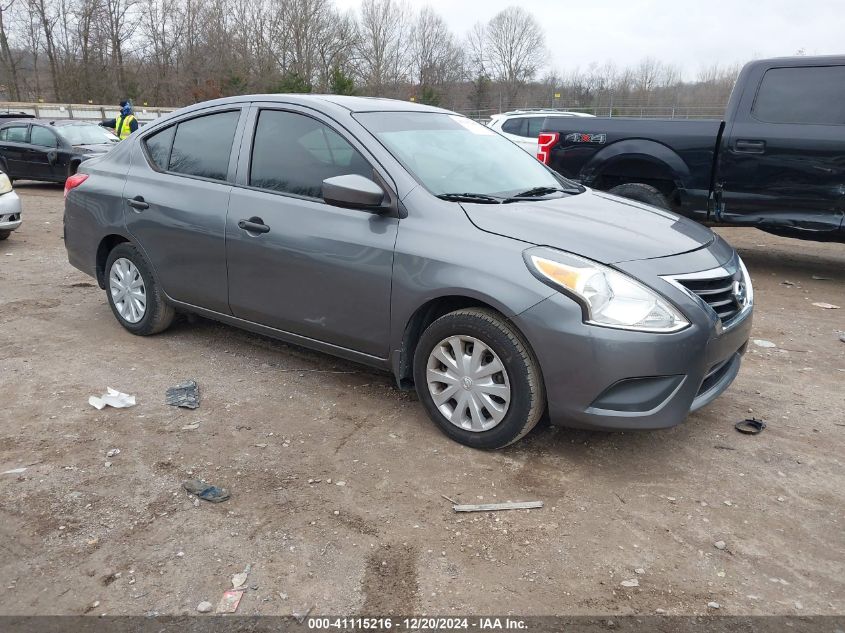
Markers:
{"x": 353, "y": 192}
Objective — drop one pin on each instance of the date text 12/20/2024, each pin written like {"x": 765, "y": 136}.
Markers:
{"x": 417, "y": 624}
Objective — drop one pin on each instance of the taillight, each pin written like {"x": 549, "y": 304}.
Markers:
{"x": 545, "y": 142}
{"x": 74, "y": 181}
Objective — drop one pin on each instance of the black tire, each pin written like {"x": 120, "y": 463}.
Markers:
{"x": 4, "y": 235}
{"x": 528, "y": 399}
{"x": 158, "y": 314}
{"x": 642, "y": 193}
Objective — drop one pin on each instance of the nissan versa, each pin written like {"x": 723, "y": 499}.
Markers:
{"x": 415, "y": 240}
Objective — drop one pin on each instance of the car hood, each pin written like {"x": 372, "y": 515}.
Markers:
{"x": 593, "y": 224}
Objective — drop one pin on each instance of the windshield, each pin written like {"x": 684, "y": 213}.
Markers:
{"x": 451, "y": 154}
{"x": 86, "y": 134}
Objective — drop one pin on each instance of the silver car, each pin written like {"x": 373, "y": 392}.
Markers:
{"x": 419, "y": 242}
{"x": 10, "y": 207}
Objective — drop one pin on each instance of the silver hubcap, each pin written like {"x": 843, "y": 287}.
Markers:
{"x": 468, "y": 383}
{"x": 127, "y": 290}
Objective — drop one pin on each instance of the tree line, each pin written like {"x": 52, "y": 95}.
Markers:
{"x": 175, "y": 52}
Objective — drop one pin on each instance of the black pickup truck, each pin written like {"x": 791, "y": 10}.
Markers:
{"x": 776, "y": 162}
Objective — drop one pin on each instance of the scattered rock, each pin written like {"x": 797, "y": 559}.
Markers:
{"x": 759, "y": 342}
{"x": 205, "y": 607}
{"x": 630, "y": 583}
{"x": 728, "y": 503}
{"x": 639, "y": 570}
{"x": 113, "y": 452}
{"x": 340, "y": 483}
{"x": 720, "y": 545}
{"x": 660, "y": 611}
{"x": 714, "y": 605}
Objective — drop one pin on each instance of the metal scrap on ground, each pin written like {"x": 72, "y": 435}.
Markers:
{"x": 510, "y": 505}
{"x": 185, "y": 394}
{"x": 230, "y": 601}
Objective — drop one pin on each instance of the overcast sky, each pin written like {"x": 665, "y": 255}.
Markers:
{"x": 689, "y": 33}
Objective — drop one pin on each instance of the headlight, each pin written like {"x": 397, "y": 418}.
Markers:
{"x": 610, "y": 298}
{"x": 5, "y": 184}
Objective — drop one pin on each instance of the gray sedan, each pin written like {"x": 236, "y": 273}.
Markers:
{"x": 420, "y": 242}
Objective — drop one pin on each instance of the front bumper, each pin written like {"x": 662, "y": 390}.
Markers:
{"x": 607, "y": 379}
{"x": 10, "y": 211}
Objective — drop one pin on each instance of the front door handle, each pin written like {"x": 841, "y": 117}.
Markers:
{"x": 138, "y": 203}
{"x": 750, "y": 147}
{"x": 253, "y": 225}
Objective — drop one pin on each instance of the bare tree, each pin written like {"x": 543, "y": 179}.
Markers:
{"x": 8, "y": 59}
{"x": 512, "y": 49}
{"x": 382, "y": 27}
{"x": 436, "y": 60}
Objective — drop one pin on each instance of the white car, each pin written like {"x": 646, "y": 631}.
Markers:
{"x": 10, "y": 207}
{"x": 523, "y": 126}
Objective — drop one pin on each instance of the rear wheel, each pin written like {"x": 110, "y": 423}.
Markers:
{"x": 642, "y": 193}
{"x": 477, "y": 379}
{"x": 133, "y": 293}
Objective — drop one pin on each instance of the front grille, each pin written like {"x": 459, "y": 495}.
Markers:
{"x": 718, "y": 293}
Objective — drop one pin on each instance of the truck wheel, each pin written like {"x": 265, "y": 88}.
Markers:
{"x": 641, "y": 193}
{"x": 477, "y": 379}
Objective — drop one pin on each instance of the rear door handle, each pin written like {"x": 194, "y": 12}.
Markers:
{"x": 139, "y": 203}
{"x": 750, "y": 147}
{"x": 253, "y": 225}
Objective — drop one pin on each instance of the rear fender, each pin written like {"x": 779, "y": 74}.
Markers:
{"x": 643, "y": 159}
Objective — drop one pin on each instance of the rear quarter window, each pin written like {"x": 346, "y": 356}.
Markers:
{"x": 158, "y": 147}
{"x": 516, "y": 127}
{"x": 809, "y": 94}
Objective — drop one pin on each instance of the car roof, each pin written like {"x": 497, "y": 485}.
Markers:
{"x": 323, "y": 102}
{"x": 50, "y": 122}
{"x": 539, "y": 112}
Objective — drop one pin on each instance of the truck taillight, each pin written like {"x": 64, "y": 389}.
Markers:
{"x": 545, "y": 142}
{"x": 74, "y": 181}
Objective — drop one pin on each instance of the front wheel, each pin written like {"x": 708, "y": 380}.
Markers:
{"x": 478, "y": 379}
{"x": 4, "y": 235}
{"x": 133, "y": 293}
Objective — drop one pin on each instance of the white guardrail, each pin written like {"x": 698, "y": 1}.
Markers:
{"x": 81, "y": 111}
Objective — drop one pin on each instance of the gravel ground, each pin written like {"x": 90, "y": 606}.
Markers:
{"x": 337, "y": 478}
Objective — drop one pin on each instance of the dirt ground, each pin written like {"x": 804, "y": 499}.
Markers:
{"x": 337, "y": 478}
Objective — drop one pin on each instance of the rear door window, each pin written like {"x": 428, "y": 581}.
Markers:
{"x": 814, "y": 94}
{"x": 294, "y": 153}
{"x": 535, "y": 126}
{"x": 15, "y": 133}
{"x": 202, "y": 146}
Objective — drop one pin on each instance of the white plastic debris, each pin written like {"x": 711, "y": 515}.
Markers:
{"x": 14, "y": 471}
{"x": 826, "y": 306}
{"x": 759, "y": 342}
{"x": 113, "y": 398}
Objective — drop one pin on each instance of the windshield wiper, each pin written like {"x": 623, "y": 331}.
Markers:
{"x": 470, "y": 197}
{"x": 539, "y": 191}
